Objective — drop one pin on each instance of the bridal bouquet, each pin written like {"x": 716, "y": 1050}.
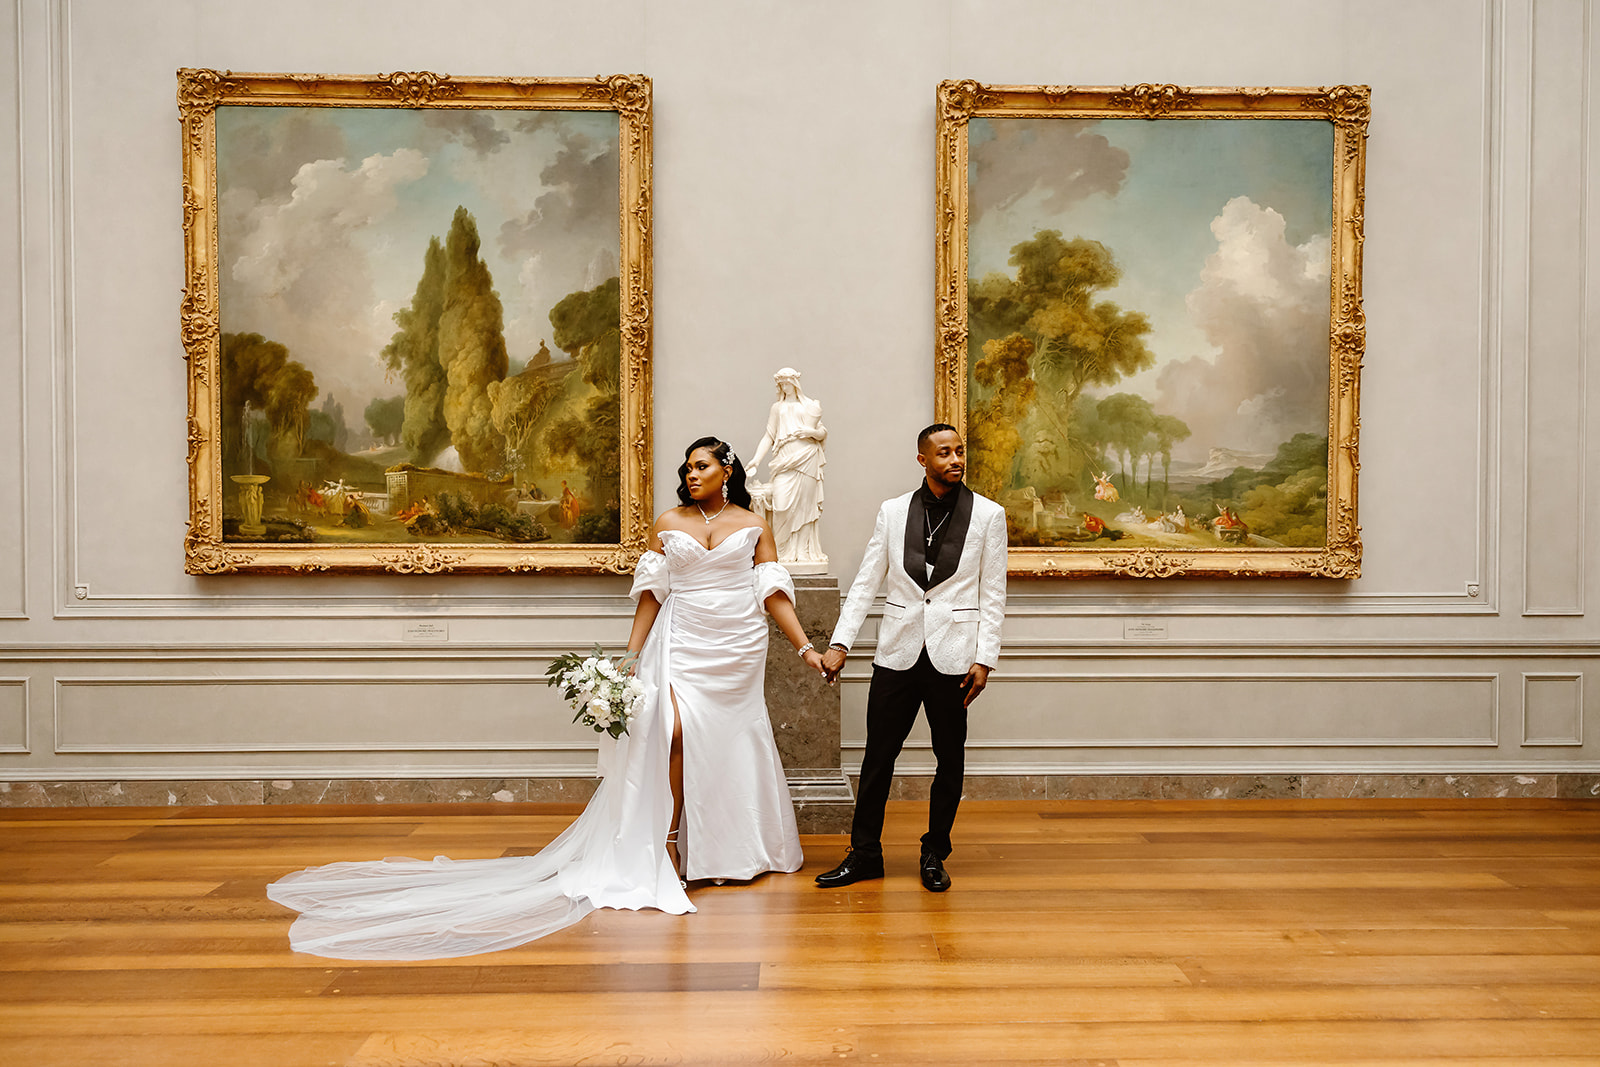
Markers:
{"x": 606, "y": 696}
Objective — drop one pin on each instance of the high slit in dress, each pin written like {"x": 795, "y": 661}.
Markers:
{"x": 708, "y": 646}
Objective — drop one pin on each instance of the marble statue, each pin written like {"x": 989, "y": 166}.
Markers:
{"x": 793, "y": 494}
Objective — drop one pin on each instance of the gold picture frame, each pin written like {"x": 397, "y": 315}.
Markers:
{"x": 1039, "y": 189}
{"x": 307, "y": 202}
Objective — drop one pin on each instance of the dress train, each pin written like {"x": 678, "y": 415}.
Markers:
{"x": 708, "y": 647}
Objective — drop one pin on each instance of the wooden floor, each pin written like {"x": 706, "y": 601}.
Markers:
{"x": 1119, "y": 933}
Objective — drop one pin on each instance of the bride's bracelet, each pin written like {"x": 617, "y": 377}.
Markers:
{"x": 803, "y": 649}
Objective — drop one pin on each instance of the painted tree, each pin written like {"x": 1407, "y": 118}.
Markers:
{"x": 472, "y": 347}
{"x": 588, "y": 326}
{"x": 1085, "y": 445}
{"x": 1168, "y": 431}
{"x": 257, "y": 374}
{"x": 992, "y": 433}
{"x": 516, "y": 406}
{"x": 328, "y": 423}
{"x": 1079, "y": 341}
{"x": 385, "y": 417}
{"x": 1128, "y": 419}
{"x": 414, "y": 352}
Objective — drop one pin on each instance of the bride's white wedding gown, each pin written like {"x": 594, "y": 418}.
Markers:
{"x": 708, "y": 647}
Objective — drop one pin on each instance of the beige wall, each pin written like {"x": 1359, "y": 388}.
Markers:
{"x": 794, "y": 209}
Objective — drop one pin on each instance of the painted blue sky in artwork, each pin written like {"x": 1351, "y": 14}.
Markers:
{"x": 324, "y": 215}
{"x": 1221, "y": 229}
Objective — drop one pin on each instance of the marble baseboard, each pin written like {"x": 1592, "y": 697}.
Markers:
{"x": 300, "y": 791}
{"x": 1261, "y": 786}
{"x": 818, "y": 815}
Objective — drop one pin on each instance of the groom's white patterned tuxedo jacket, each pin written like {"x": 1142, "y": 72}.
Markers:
{"x": 956, "y": 612}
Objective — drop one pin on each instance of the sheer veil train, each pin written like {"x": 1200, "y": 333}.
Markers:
{"x": 706, "y": 648}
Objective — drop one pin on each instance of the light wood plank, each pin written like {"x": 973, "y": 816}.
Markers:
{"x": 1245, "y": 934}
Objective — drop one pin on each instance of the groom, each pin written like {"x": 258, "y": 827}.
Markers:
{"x": 942, "y": 549}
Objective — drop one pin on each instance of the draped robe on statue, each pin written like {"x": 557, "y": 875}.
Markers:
{"x": 708, "y": 647}
{"x": 796, "y": 465}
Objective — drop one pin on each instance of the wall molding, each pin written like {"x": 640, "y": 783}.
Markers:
{"x": 1104, "y": 600}
{"x": 905, "y": 770}
{"x": 23, "y": 749}
{"x": 1559, "y": 393}
{"x": 1571, "y": 738}
{"x": 1485, "y": 718}
{"x": 19, "y": 510}
{"x": 255, "y": 684}
{"x": 1583, "y": 649}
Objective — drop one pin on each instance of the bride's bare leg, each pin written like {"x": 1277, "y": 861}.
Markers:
{"x": 675, "y": 778}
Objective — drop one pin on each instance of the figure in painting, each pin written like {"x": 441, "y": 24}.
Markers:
{"x": 569, "y": 505}
{"x": 794, "y": 437}
{"x": 1103, "y": 489}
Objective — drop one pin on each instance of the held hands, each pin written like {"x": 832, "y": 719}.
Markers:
{"x": 832, "y": 663}
{"x": 814, "y": 660}
{"x": 977, "y": 677}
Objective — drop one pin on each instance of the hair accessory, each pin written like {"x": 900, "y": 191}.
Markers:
{"x": 732, "y": 457}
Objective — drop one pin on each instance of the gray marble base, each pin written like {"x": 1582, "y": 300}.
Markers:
{"x": 822, "y": 796}
{"x": 805, "y": 714}
{"x": 804, "y": 708}
{"x": 1376, "y": 785}
{"x": 823, "y": 799}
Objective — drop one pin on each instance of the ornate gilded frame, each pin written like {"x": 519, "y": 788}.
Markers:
{"x": 1347, "y": 108}
{"x": 200, "y": 93}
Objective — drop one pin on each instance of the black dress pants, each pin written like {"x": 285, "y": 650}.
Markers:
{"x": 892, "y": 704}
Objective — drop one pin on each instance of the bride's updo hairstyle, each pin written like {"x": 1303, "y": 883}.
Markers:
{"x": 722, "y": 452}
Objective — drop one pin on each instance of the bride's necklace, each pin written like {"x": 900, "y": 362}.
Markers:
{"x": 713, "y": 515}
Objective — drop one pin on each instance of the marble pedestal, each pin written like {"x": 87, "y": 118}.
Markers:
{"x": 805, "y": 714}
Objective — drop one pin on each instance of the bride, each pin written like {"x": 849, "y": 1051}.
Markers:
{"x": 694, "y": 790}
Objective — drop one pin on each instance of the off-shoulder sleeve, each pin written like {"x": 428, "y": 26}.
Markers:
{"x": 651, "y": 575}
{"x": 772, "y": 578}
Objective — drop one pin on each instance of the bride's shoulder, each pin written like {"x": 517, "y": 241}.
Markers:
{"x": 672, "y": 519}
{"x": 669, "y": 520}
{"x": 748, "y": 520}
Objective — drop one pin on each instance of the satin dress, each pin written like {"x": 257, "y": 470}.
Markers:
{"x": 707, "y": 649}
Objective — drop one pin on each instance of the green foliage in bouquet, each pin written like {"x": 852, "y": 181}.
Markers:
{"x": 603, "y": 690}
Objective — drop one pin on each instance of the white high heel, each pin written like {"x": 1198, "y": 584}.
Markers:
{"x": 672, "y": 839}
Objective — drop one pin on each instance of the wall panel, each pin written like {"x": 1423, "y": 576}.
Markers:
{"x": 1554, "y": 486}
{"x": 268, "y": 715}
{"x": 14, "y": 390}
{"x": 1161, "y": 710}
{"x": 1552, "y": 709}
{"x": 14, "y": 715}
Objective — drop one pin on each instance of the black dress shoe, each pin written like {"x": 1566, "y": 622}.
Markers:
{"x": 856, "y": 867}
{"x": 934, "y": 878}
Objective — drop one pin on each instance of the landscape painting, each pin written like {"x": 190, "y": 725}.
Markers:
{"x": 417, "y": 322}
{"x": 1150, "y": 323}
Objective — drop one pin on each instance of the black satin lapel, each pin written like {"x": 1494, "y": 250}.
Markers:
{"x": 950, "y": 548}
{"x": 916, "y": 550}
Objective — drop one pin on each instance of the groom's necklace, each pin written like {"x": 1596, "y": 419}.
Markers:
{"x": 936, "y": 525}
{"x": 713, "y": 515}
